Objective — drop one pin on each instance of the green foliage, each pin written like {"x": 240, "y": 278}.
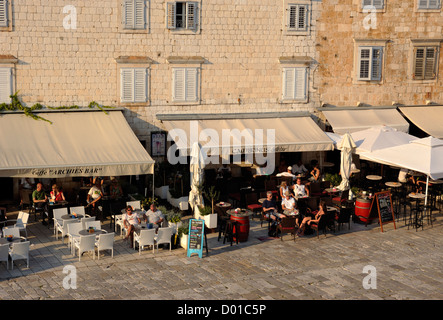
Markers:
{"x": 173, "y": 216}
{"x": 204, "y": 211}
{"x": 184, "y": 228}
{"x": 334, "y": 178}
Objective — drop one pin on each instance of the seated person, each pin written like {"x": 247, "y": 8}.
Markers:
{"x": 288, "y": 203}
{"x": 299, "y": 168}
{"x": 154, "y": 216}
{"x": 270, "y": 208}
{"x": 315, "y": 174}
{"x": 283, "y": 189}
{"x": 287, "y": 173}
{"x": 40, "y": 200}
{"x": 130, "y": 221}
{"x": 312, "y": 218}
{"x": 56, "y": 194}
{"x": 115, "y": 190}
{"x": 299, "y": 189}
{"x": 405, "y": 176}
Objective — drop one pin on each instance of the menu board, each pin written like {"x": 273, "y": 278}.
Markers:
{"x": 383, "y": 203}
{"x": 195, "y": 236}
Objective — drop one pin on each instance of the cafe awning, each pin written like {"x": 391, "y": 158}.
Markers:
{"x": 427, "y": 118}
{"x": 247, "y": 133}
{"x": 355, "y": 119}
{"x": 77, "y": 143}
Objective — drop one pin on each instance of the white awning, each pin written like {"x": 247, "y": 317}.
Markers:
{"x": 351, "y": 120}
{"x": 429, "y": 119}
{"x": 245, "y": 135}
{"x": 76, "y": 144}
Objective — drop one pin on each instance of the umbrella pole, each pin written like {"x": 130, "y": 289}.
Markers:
{"x": 426, "y": 197}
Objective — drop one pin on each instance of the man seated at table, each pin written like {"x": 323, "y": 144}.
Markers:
{"x": 130, "y": 221}
{"x": 40, "y": 201}
{"x": 154, "y": 216}
{"x": 299, "y": 168}
{"x": 270, "y": 208}
{"x": 299, "y": 189}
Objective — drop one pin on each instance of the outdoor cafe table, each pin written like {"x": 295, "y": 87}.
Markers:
{"x": 70, "y": 216}
{"x": 242, "y": 218}
{"x": 85, "y": 232}
{"x": 419, "y": 197}
{"x": 14, "y": 239}
{"x": 55, "y": 205}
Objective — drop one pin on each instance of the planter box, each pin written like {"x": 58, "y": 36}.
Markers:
{"x": 210, "y": 221}
{"x": 162, "y": 192}
{"x": 184, "y": 241}
{"x": 175, "y": 226}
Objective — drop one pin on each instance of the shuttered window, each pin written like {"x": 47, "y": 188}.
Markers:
{"x": 370, "y": 63}
{"x": 134, "y": 86}
{"x": 185, "y": 85}
{"x": 377, "y": 4}
{"x": 5, "y": 84}
{"x": 429, "y": 4}
{"x": 425, "y": 63}
{"x": 297, "y": 17}
{"x": 4, "y": 13}
{"x": 295, "y": 83}
{"x": 181, "y": 15}
{"x": 134, "y": 14}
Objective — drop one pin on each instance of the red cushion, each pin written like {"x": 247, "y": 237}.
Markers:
{"x": 254, "y": 206}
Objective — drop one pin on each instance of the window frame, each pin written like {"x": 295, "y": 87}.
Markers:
{"x": 187, "y": 97}
{"x": 6, "y": 24}
{"x": 437, "y": 8}
{"x": 124, "y": 27}
{"x": 10, "y": 82}
{"x": 380, "y": 7}
{"x": 373, "y": 44}
{"x": 188, "y": 17}
{"x": 287, "y": 17}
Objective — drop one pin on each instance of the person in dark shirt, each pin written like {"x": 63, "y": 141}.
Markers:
{"x": 270, "y": 208}
{"x": 40, "y": 200}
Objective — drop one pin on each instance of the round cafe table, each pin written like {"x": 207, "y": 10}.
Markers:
{"x": 373, "y": 177}
{"x": 70, "y": 216}
{"x": 85, "y": 232}
{"x": 419, "y": 197}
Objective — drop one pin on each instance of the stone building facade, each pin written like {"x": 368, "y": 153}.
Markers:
{"x": 382, "y": 55}
{"x": 162, "y": 56}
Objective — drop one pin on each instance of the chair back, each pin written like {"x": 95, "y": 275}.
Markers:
{"x": 313, "y": 202}
{"x": 325, "y": 220}
{"x": 314, "y": 188}
{"x": 105, "y": 241}
{"x": 344, "y": 216}
{"x": 59, "y": 212}
{"x": 78, "y": 210}
{"x": 67, "y": 222}
{"x": 20, "y": 250}
{"x": 26, "y": 197}
{"x": 344, "y": 195}
{"x": 95, "y": 224}
{"x": 288, "y": 223}
{"x": 4, "y": 252}
{"x": 164, "y": 235}
{"x": 147, "y": 237}
{"x": 22, "y": 219}
{"x": 75, "y": 227}
{"x": 87, "y": 243}
{"x": 134, "y": 204}
{"x": 14, "y": 231}
{"x": 85, "y": 220}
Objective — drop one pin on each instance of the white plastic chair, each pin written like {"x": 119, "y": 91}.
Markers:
{"x": 78, "y": 210}
{"x": 57, "y": 217}
{"x": 119, "y": 223}
{"x": 22, "y": 222}
{"x": 85, "y": 220}
{"x": 85, "y": 244}
{"x": 19, "y": 250}
{"x": 63, "y": 229}
{"x": 105, "y": 242}
{"x": 73, "y": 229}
{"x": 134, "y": 204}
{"x": 164, "y": 236}
{"x": 146, "y": 238}
{"x": 4, "y": 254}
{"x": 95, "y": 224}
{"x": 15, "y": 232}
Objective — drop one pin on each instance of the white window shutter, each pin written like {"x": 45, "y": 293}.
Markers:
{"x": 5, "y": 85}
{"x": 434, "y": 4}
{"x": 139, "y": 14}
{"x": 367, "y": 3}
{"x": 378, "y": 4}
{"x": 302, "y": 18}
{"x": 127, "y": 85}
{"x": 430, "y": 63}
{"x": 376, "y": 63}
{"x": 3, "y": 13}
{"x": 128, "y": 14}
{"x": 423, "y": 4}
{"x": 292, "y": 17}
{"x": 191, "y": 84}
{"x": 178, "y": 92}
{"x": 191, "y": 15}
{"x": 364, "y": 55}
{"x": 288, "y": 83}
{"x": 419, "y": 63}
{"x": 300, "y": 83}
{"x": 170, "y": 15}
{"x": 140, "y": 85}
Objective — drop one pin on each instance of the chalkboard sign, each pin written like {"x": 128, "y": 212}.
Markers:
{"x": 195, "y": 236}
{"x": 382, "y": 203}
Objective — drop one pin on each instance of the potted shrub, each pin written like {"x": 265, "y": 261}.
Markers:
{"x": 174, "y": 220}
{"x": 209, "y": 217}
{"x": 183, "y": 231}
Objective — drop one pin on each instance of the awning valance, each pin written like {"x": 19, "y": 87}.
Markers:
{"x": 429, "y": 119}
{"x": 76, "y": 144}
{"x": 351, "y": 120}
{"x": 249, "y": 134}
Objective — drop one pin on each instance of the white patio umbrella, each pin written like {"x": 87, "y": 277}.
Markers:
{"x": 421, "y": 155}
{"x": 197, "y": 165}
{"x": 347, "y": 146}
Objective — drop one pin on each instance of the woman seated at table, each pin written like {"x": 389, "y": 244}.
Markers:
{"x": 130, "y": 221}
{"x": 312, "y": 218}
{"x": 299, "y": 189}
{"x": 56, "y": 194}
{"x": 283, "y": 189}
{"x": 315, "y": 173}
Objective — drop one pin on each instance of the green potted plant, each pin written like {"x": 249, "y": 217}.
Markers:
{"x": 208, "y": 216}
{"x": 174, "y": 220}
{"x": 182, "y": 232}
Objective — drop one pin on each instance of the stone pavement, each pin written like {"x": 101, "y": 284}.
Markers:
{"x": 406, "y": 264}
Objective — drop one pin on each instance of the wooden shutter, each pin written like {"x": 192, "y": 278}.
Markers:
{"x": 127, "y": 85}
{"x": 170, "y": 15}
{"x": 378, "y": 4}
{"x": 376, "y": 63}
{"x": 419, "y": 63}
{"x": 140, "y": 85}
{"x": 128, "y": 14}
{"x": 302, "y": 17}
{"x": 366, "y": 3}
{"x": 364, "y": 55}
{"x": 430, "y": 63}
{"x": 191, "y": 15}
{"x": 185, "y": 84}
{"x": 294, "y": 83}
{"x": 5, "y": 85}
{"x": 191, "y": 84}
{"x": 300, "y": 83}
{"x": 292, "y": 17}
{"x": 139, "y": 14}
{"x": 178, "y": 92}
{"x": 3, "y": 13}
{"x": 429, "y": 4}
{"x": 288, "y": 83}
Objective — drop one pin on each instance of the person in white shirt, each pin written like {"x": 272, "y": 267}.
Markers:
{"x": 130, "y": 221}
{"x": 299, "y": 189}
{"x": 299, "y": 168}
{"x": 154, "y": 216}
{"x": 94, "y": 196}
{"x": 288, "y": 203}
